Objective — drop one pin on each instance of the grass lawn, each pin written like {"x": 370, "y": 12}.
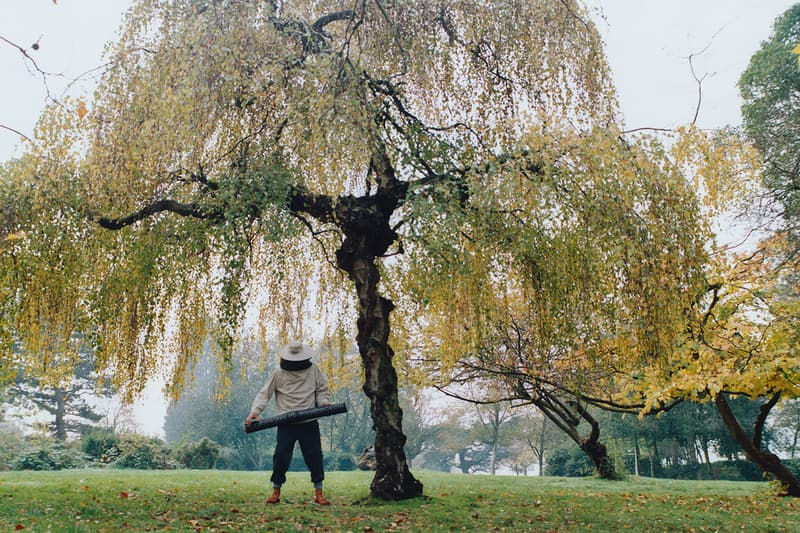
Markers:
{"x": 119, "y": 500}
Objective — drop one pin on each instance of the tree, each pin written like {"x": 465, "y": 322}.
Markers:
{"x": 741, "y": 342}
{"x": 233, "y": 144}
{"x": 349, "y": 434}
{"x": 531, "y": 438}
{"x": 206, "y": 411}
{"x": 462, "y": 441}
{"x": 67, "y": 402}
{"x": 540, "y": 435}
{"x": 787, "y": 427}
{"x": 771, "y": 115}
{"x": 492, "y": 419}
{"x": 563, "y": 285}
{"x": 420, "y": 428}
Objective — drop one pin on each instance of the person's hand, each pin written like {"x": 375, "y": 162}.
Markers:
{"x": 252, "y": 417}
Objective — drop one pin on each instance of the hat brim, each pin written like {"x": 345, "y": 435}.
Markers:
{"x": 290, "y": 352}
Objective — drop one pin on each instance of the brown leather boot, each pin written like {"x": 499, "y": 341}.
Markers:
{"x": 276, "y": 496}
{"x": 319, "y": 498}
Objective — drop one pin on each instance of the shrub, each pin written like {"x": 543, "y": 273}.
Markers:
{"x": 49, "y": 455}
{"x": 339, "y": 461}
{"x": 202, "y": 454}
{"x": 100, "y": 445}
{"x": 11, "y": 444}
{"x": 569, "y": 462}
{"x": 737, "y": 470}
{"x": 141, "y": 452}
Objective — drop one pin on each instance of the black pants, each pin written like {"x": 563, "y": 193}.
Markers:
{"x": 308, "y": 436}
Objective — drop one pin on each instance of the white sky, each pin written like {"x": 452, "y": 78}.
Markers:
{"x": 648, "y": 45}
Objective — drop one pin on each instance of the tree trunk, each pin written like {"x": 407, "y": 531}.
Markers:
{"x": 495, "y": 438}
{"x": 493, "y": 465}
{"x": 766, "y": 461}
{"x": 540, "y": 455}
{"x": 707, "y": 455}
{"x": 594, "y": 449}
{"x": 462, "y": 461}
{"x": 636, "y": 454}
{"x": 654, "y": 459}
{"x": 364, "y": 221}
{"x": 598, "y": 454}
{"x": 60, "y": 423}
{"x": 393, "y": 479}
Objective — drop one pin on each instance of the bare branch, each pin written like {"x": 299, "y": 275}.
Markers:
{"x": 324, "y": 20}
{"x": 188, "y": 210}
{"x": 16, "y": 131}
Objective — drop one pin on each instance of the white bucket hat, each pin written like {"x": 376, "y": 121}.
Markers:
{"x": 295, "y": 351}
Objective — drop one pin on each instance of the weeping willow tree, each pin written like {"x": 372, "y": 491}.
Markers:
{"x": 571, "y": 281}
{"x": 243, "y": 154}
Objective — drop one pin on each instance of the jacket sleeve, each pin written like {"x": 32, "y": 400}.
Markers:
{"x": 264, "y": 395}
{"x": 322, "y": 395}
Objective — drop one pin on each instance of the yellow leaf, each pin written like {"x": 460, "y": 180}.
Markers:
{"x": 796, "y": 50}
{"x": 82, "y": 109}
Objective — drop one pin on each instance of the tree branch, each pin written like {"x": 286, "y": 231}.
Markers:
{"x": 324, "y": 20}
{"x": 761, "y": 419}
{"x": 319, "y": 206}
{"x": 188, "y": 210}
{"x": 15, "y": 131}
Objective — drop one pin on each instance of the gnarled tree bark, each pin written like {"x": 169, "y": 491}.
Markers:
{"x": 768, "y": 462}
{"x": 368, "y": 235}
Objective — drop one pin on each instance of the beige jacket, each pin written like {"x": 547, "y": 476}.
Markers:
{"x": 293, "y": 390}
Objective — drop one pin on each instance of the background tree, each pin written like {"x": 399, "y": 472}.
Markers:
{"x": 771, "y": 115}
{"x": 71, "y": 403}
{"x": 491, "y": 421}
{"x": 534, "y": 436}
{"x": 786, "y": 427}
{"x": 203, "y": 411}
{"x": 234, "y": 144}
{"x": 462, "y": 442}
{"x": 420, "y": 427}
{"x": 350, "y": 433}
{"x": 588, "y": 275}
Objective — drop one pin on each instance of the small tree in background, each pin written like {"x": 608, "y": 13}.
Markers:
{"x": 71, "y": 403}
{"x": 203, "y": 412}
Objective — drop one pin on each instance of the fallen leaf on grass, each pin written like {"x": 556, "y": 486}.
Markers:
{"x": 19, "y": 527}
{"x": 123, "y": 494}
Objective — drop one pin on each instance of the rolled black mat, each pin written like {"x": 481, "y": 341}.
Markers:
{"x": 296, "y": 416}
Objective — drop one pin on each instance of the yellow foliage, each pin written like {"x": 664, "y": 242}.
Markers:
{"x": 225, "y": 107}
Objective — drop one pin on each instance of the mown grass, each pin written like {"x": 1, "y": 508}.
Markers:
{"x": 118, "y": 500}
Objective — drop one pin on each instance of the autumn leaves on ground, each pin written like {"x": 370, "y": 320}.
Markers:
{"x": 93, "y": 500}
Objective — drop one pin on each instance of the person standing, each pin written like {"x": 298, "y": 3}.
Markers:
{"x": 297, "y": 384}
